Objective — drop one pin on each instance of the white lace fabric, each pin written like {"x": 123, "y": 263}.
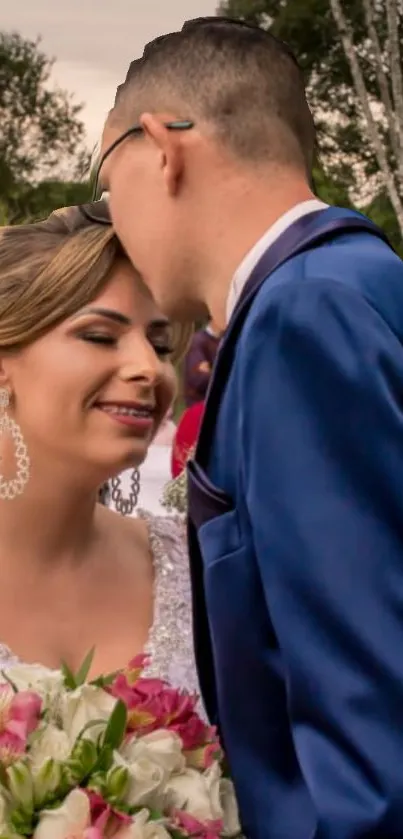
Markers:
{"x": 170, "y": 640}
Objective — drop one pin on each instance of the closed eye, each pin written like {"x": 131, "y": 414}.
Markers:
{"x": 99, "y": 338}
{"x": 104, "y": 339}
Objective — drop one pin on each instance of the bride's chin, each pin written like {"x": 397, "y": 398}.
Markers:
{"x": 130, "y": 461}
{"x": 109, "y": 459}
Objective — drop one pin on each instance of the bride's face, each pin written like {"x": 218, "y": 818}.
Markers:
{"x": 91, "y": 394}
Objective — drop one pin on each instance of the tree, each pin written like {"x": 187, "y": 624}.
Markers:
{"x": 389, "y": 75}
{"x": 329, "y": 190}
{"x": 350, "y": 51}
{"x": 40, "y": 129}
{"x": 31, "y": 203}
{"x": 381, "y": 212}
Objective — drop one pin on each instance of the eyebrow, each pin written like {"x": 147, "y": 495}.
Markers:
{"x": 118, "y": 317}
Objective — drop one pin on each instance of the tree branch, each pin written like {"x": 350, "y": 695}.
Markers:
{"x": 395, "y": 63}
{"x": 363, "y": 97}
{"x": 396, "y": 136}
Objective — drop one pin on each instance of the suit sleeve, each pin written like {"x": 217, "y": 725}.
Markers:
{"x": 323, "y": 473}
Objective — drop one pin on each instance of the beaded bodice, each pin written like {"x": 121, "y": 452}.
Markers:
{"x": 170, "y": 642}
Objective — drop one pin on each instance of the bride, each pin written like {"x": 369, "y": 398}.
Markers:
{"x": 86, "y": 378}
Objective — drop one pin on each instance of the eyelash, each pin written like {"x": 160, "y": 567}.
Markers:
{"x": 110, "y": 341}
{"x": 98, "y": 338}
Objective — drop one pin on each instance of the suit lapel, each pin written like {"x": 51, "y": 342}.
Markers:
{"x": 312, "y": 229}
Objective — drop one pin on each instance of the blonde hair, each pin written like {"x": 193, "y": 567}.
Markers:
{"x": 51, "y": 269}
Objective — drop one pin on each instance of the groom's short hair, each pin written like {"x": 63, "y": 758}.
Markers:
{"x": 239, "y": 78}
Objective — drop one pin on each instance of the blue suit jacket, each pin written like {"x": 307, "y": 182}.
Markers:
{"x": 303, "y": 570}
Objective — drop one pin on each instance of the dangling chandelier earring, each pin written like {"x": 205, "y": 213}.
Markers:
{"x": 125, "y": 506}
{"x": 10, "y": 489}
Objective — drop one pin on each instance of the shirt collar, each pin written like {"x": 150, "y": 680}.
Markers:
{"x": 251, "y": 259}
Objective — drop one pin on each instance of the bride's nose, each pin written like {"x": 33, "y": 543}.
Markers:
{"x": 141, "y": 363}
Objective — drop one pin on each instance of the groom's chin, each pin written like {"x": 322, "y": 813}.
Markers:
{"x": 180, "y": 309}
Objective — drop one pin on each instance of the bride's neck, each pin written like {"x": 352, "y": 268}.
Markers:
{"x": 52, "y": 522}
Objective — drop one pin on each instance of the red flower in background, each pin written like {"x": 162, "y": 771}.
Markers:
{"x": 186, "y": 436}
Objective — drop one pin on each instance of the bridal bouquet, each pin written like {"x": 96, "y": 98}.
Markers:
{"x": 120, "y": 757}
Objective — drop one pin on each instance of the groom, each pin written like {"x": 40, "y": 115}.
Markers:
{"x": 296, "y": 492}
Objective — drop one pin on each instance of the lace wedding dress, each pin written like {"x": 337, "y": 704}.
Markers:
{"x": 170, "y": 642}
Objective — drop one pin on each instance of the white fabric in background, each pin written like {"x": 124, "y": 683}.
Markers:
{"x": 155, "y": 473}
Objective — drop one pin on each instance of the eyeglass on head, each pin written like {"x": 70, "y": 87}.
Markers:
{"x": 96, "y": 211}
{"x": 175, "y": 125}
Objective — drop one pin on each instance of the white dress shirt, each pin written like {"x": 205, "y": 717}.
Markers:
{"x": 251, "y": 259}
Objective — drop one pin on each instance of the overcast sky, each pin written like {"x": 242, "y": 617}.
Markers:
{"x": 93, "y": 41}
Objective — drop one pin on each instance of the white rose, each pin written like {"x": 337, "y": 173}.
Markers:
{"x": 71, "y": 819}
{"x": 50, "y": 742}
{"x": 189, "y": 791}
{"x": 50, "y": 748}
{"x": 150, "y": 760}
{"x": 142, "y": 828}
{"x": 147, "y": 779}
{"x": 161, "y": 747}
{"x": 229, "y": 805}
{"x": 85, "y": 705}
{"x": 47, "y": 683}
{"x": 202, "y": 794}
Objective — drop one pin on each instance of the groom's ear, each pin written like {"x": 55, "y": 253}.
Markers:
{"x": 170, "y": 150}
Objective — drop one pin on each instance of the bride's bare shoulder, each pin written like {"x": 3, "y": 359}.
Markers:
{"x": 122, "y": 531}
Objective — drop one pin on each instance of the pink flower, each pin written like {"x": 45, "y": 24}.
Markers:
{"x": 135, "y": 667}
{"x": 189, "y": 826}
{"x": 11, "y": 747}
{"x": 104, "y": 820}
{"x": 82, "y": 815}
{"x": 202, "y": 757}
{"x": 152, "y": 704}
{"x": 193, "y": 731}
{"x": 19, "y": 712}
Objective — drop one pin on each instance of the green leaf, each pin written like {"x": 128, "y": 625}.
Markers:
{"x": 105, "y": 759}
{"x": 116, "y": 728}
{"x": 116, "y": 784}
{"x": 87, "y": 727}
{"x": 104, "y": 681}
{"x": 175, "y": 834}
{"x": 82, "y": 673}
{"x": 9, "y": 681}
{"x": 20, "y": 787}
{"x": 155, "y": 815}
{"x": 68, "y": 676}
{"x": 22, "y": 823}
{"x": 73, "y": 681}
{"x": 82, "y": 763}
